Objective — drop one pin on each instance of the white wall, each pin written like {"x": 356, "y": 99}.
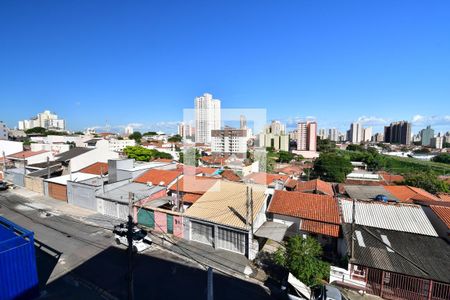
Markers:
{"x": 10, "y": 147}
{"x": 54, "y": 148}
{"x": 96, "y": 155}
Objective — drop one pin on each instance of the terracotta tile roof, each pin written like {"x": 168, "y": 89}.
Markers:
{"x": 320, "y": 228}
{"x": 314, "y": 207}
{"x": 206, "y": 170}
{"x": 194, "y": 184}
{"x": 265, "y": 178}
{"x": 98, "y": 168}
{"x": 190, "y": 198}
{"x": 26, "y": 154}
{"x": 364, "y": 182}
{"x": 164, "y": 160}
{"x": 408, "y": 194}
{"x": 213, "y": 160}
{"x": 291, "y": 183}
{"x": 157, "y": 176}
{"x": 315, "y": 185}
{"x": 230, "y": 176}
{"x": 444, "y": 196}
{"x": 391, "y": 178}
{"x": 443, "y": 213}
{"x": 290, "y": 170}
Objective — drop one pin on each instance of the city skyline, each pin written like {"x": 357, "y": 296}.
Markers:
{"x": 137, "y": 65}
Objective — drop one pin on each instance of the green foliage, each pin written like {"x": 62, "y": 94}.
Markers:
{"x": 36, "y": 130}
{"x": 422, "y": 150}
{"x": 140, "y": 153}
{"x": 332, "y": 166}
{"x": 175, "y": 138}
{"x": 190, "y": 156}
{"x": 150, "y": 133}
{"x": 325, "y": 145}
{"x": 78, "y": 133}
{"x": 302, "y": 258}
{"x": 135, "y": 136}
{"x": 370, "y": 157}
{"x": 120, "y": 138}
{"x": 446, "y": 145}
{"x": 442, "y": 158}
{"x": 355, "y": 147}
{"x": 285, "y": 156}
{"x": 427, "y": 181}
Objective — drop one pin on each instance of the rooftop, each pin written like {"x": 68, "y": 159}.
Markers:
{"x": 26, "y": 154}
{"x": 194, "y": 184}
{"x": 74, "y": 152}
{"x": 98, "y": 168}
{"x": 315, "y": 185}
{"x": 407, "y": 193}
{"x": 225, "y": 203}
{"x": 364, "y": 192}
{"x": 76, "y": 177}
{"x": 399, "y": 217}
{"x": 314, "y": 207}
{"x": 140, "y": 191}
{"x": 443, "y": 212}
{"x": 265, "y": 178}
{"x": 405, "y": 253}
{"x": 158, "y": 176}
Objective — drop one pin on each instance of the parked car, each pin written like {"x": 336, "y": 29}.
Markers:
{"x": 141, "y": 241}
{"x": 3, "y": 185}
{"x": 297, "y": 290}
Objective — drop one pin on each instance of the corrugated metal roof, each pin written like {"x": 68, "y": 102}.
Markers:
{"x": 399, "y": 217}
{"x": 405, "y": 253}
{"x": 121, "y": 194}
{"x": 225, "y": 203}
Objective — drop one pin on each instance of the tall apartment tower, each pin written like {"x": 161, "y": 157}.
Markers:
{"x": 398, "y": 133}
{"x": 367, "y": 134}
{"x": 307, "y": 136}
{"x": 242, "y": 122}
{"x": 207, "y": 117}
{"x": 426, "y": 135}
{"x": 355, "y": 134}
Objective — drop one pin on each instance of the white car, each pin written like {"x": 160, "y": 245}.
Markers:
{"x": 141, "y": 241}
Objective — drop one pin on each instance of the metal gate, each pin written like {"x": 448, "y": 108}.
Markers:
{"x": 231, "y": 240}
{"x": 395, "y": 286}
{"x": 202, "y": 233}
{"x": 146, "y": 218}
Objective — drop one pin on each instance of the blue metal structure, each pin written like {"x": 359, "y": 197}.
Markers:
{"x": 18, "y": 273}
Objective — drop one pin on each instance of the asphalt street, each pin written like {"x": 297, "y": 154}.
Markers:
{"x": 78, "y": 260}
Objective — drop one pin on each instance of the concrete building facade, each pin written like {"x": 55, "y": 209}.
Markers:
{"x": 229, "y": 141}
{"x": 44, "y": 119}
{"x": 307, "y": 136}
{"x": 207, "y": 117}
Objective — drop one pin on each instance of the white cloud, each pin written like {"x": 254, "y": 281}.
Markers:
{"x": 292, "y": 121}
{"x": 373, "y": 121}
{"x": 430, "y": 120}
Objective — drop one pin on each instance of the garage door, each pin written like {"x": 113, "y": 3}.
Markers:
{"x": 202, "y": 233}
{"x": 231, "y": 240}
{"x": 146, "y": 218}
{"x": 57, "y": 191}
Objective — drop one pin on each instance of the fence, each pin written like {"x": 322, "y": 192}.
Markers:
{"x": 395, "y": 286}
{"x": 35, "y": 184}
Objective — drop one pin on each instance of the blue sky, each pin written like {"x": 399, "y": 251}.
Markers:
{"x": 143, "y": 62}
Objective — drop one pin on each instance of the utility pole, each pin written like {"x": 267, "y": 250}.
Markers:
{"x": 48, "y": 167}
{"x": 210, "y": 293}
{"x": 352, "y": 257}
{"x": 4, "y": 165}
{"x": 130, "y": 247}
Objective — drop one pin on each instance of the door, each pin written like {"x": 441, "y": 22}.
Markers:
{"x": 169, "y": 224}
{"x": 202, "y": 233}
{"x": 231, "y": 240}
{"x": 146, "y": 218}
{"x": 57, "y": 191}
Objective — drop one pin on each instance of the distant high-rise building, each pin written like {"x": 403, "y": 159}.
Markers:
{"x": 243, "y": 122}
{"x": 307, "y": 136}
{"x": 426, "y": 135}
{"x": 333, "y": 134}
{"x": 398, "y": 133}
{"x": 129, "y": 130}
{"x": 207, "y": 117}
{"x": 355, "y": 134}
{"x": 46, "y": 120}
{"x": 229, "y": 141}
{"x": 367, "y": 134}
{"x": 378, "y": 137}
{"x": 3, "y": 131}
{"x": 276, "y": 127}
{"x": 185, "y": 130}
{"x": 437, "y": 142}
{"x": 322, "y": 134}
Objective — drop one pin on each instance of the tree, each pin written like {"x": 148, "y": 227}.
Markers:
{"x": 150, "y": 133}
{"x": 140, "y": 153}
{"x": 78, "y": 133}
{"x": 135, "y": 136}
{"x": 354, "y": 147}
{"x": 301, "y": 257}
{"x": 36, "y": 130}
{"x": 427, "y": 181}
{"x": 442, "y": 158}
{"x": 285, "y": 156}
{"x": 332, "y": 166}
{"x": 422, "y": 150}
{"x": 325, "y": 145}
{"x": 175, "y": 138}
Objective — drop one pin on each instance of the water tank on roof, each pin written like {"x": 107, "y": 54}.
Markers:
{"x": 382, "y": 198}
